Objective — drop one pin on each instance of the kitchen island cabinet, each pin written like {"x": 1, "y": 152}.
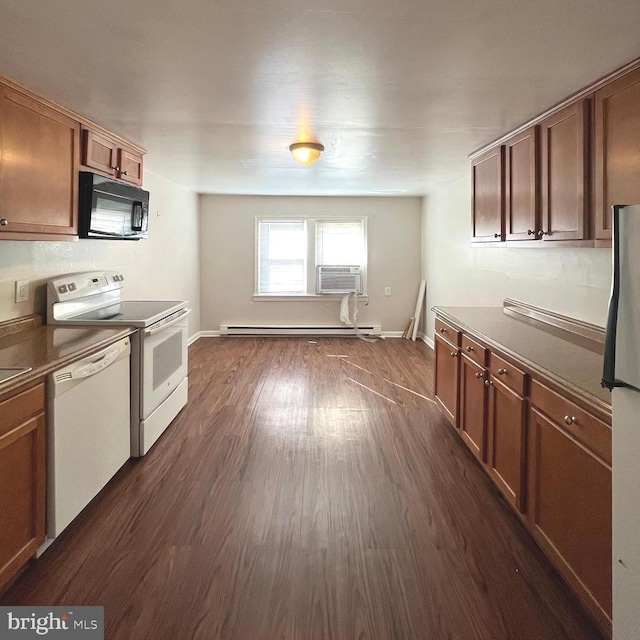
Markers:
{"x": 541, "y": 431}
{"x": 22, "y": 478}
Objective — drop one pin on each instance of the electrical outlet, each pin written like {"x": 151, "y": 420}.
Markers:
{"x": 22, "y": 290}
{"x": 387, "y": 291}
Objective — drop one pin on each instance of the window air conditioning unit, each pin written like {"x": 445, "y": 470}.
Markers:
{"x": 343, "y": 279}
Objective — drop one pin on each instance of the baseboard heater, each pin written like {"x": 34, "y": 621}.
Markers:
{"x": 295, "y": 330}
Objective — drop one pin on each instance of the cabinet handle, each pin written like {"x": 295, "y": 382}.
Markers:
{"x": 570, "y": 420}
{"x": 496, "y": 235}
{"x": 114, "y": 168}
{"x": 530, "y": 232}
{"x": 123, "y": 173}
{"x": 501, "y": 372}
{"x": 453, "y": 354}
{"x": 4, "y": 222}
{"x": 487, "y": 383}
{"x": 443, "y": 330}
{"x": 479, "y": 375}
{"x": 469, "y": 349}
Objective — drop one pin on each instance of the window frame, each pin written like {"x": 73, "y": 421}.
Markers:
{"x": 311, "y": 261}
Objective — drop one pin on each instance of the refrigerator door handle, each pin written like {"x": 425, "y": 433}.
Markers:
{"x": 609, "y": 368}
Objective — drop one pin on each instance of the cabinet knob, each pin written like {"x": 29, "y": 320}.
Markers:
{"x": 530, "y": 232}
{"x": 442, "y": 330}
{"x": 487, "y": 383}
{"x": 479, "y": 375}
{"x": 4, "y": 222}
{"x": 469, "y": 349}
{"x": 496, "y": 235}
{"x": 123, "y": 173}
{"x": 453, "y": 354}
{"x": 570, "y": 420}
{"x": 501, "y": 372}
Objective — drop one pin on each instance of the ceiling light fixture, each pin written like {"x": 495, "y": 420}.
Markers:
{"x": 306, "y": 152}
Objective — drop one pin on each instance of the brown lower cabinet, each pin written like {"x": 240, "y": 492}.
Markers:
{"x": 550, "y": 458}
{"x": 22, "y": 479}
{"x": 446, "y": 378}
{"x": 473, "y": 407}
{"x": 507, "y": 442}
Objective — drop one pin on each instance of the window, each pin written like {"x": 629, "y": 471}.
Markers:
{"x": 282, "y": 257}
{"x": 289, "y": 250}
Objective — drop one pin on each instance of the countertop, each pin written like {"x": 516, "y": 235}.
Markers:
{"x": 47, "y": 348}
{"x": 577, "y": 367}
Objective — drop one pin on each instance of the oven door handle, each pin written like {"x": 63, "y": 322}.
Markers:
{"x": 165, "y": 325}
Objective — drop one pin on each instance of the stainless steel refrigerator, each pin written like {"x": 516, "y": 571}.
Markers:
{"x": 622, "y": 376}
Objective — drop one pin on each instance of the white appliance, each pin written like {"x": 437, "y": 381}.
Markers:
{"x": 87, "y": 432}
{"x": 343, "y": 279}
{"x": 622, "y": 375}
{"x": 158, "y": 349}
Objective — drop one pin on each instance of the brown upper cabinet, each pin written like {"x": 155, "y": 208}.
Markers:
{"x": 104, "y": 154}
{"x": 522, "y": 207}
{"x": 39, "y": 150}
{"x": 487, "y": 174}
{"x": 565, "y": 171}
{"x": 617, "y": 148}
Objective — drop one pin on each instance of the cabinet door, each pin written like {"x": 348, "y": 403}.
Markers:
{"x": 487, "y": 175}
{"x": 565, "y": 155}
{"x": 507, "y": 445}
{"x": 522, "y": 214}
{"x": 446, "y": 377}
{"x": 570, "y": 509}
{"x": 130, "y": 165}
{"x": 99, "y": 153}
{"x": 39, "y": 167}
{"x": 617, "y": 148}
{"x": 473, "y": 406}
{"x": 22, "y": 494}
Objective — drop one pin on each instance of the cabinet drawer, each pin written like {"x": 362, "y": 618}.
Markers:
{"x": 18, "y": 408}
{"x": 473, "y": 350}
{"x": 448, "y": 332}
{"x": 509, "y": 375}
{"x": 588, "y": 430}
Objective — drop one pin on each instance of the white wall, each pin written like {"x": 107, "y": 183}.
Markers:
{"x": 227, "y": 261}
{"x": 163, "y": 267}
{"x": 574, "y": 282}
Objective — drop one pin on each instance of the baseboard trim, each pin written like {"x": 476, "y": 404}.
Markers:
{"x": 209, "y": 334}
{"x": 427, "y": 340}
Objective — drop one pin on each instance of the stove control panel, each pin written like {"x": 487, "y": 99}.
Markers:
{"x": 78, "y": 285}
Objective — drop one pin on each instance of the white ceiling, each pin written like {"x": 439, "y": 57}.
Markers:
{"x": 398, "y": 92}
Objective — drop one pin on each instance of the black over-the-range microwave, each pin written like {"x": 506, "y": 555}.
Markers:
{"x": 111, "y": 210}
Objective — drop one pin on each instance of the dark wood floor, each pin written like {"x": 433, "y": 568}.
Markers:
{"x": 302, "y": 494}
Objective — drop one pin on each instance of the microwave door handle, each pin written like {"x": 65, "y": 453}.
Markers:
{"x": 165, "y": 325}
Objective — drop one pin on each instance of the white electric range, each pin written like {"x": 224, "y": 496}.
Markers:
{"x": 159, "y": 380}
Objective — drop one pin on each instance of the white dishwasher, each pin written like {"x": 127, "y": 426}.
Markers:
{"x": 88, "y": 432}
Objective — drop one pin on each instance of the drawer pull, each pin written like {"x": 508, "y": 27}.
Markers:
{"x": 570, "y": 420}
{"x": 487, "y": 383}
{"x": 469, "y": 349}
{"x": 453, "y": 354}
{"x": 501, "y": 372}
{"x": 4, "y": 222}
{"x": 479, "y": 375}
{"x": 443, "y": 330}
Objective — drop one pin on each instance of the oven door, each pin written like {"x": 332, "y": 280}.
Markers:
{"x": 164, "y": 360}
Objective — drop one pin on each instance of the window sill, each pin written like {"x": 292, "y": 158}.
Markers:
{"x": 262, "y": 297}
